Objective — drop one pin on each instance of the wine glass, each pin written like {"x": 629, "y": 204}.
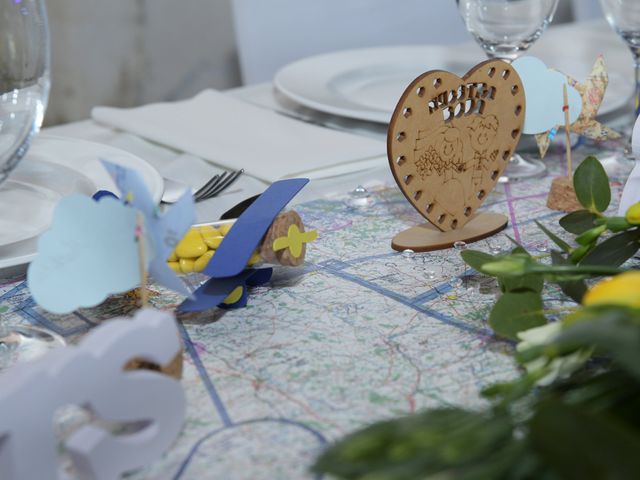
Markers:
{"x": 624, "y": 18}
{"x": 505, "y": 29}
{"x": 24, "y": 90}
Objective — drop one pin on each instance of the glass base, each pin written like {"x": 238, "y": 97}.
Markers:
{"x": 20, "y": 344}
{"x": 617, "y": 160}
{"x": 520, "y": 168}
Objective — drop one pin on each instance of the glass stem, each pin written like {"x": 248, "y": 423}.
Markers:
{"x": 636, "y": 65}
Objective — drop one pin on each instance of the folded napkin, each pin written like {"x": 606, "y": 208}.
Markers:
{"x": 234, "y": 134}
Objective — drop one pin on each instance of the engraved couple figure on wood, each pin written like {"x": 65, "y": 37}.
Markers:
{"x": 449, "y": 140}
{"x": 450, "y": 151}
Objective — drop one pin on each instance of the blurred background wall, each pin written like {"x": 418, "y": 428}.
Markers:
{"x": 130, "y": 52}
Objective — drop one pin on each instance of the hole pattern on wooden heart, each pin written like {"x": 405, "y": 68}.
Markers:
{"x": 420, "y": 91}
{"x": 458, "y": 138}
{"x": 401, "y": 136}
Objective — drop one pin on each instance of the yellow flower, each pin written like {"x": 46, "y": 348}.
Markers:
{"x": 633, "y": 214}
{"x": 623, "y": 289}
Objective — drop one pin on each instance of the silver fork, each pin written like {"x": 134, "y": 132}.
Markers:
{"x": 214, "y": 186}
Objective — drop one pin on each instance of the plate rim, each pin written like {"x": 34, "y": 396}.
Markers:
{"x": 361, "y": 112}
{"x": 12, "y": 262}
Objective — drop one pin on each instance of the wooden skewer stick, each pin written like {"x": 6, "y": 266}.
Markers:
{"x": 567, "y": 129}
{"x": 144, "y": 298}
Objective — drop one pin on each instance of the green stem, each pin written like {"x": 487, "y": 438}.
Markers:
{"x": 595, "y": 269}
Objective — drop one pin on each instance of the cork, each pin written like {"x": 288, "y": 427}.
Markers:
{"x": 280, "y": 228}
{"x": 172, "y": 369}
{"x": 562, "y": 196}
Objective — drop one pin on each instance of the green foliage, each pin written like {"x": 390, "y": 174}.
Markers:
{"x": 586, "y": 425}
{"x": 564, "y": 246}
{"x": 578, "y": 222}
{"x": 563, "y": 419}
{"x": 574, "y": 289}
{"x": 591, "y": 184}
{"x": 514, "y": 312}
{"x": 579, "y": 444}
{"x": 615, "y": 250}
{"x": 476, "y": 259}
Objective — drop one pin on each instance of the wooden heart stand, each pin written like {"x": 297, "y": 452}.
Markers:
{"x": 449, "y": 140}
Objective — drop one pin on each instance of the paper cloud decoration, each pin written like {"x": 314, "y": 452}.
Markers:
{"x": 164, "y": 230}
{"x": 89, "y": 253}
{"x": 543, "y": 88}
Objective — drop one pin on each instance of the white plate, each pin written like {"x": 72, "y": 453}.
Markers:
{"x": 366, "y": 84}
{"x": 54, "y": 168}
{"x": 31, "y": 193}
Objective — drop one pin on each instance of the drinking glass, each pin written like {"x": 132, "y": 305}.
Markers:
{"x": 505, "y": 29}
{"x": 24, "y": 90}
{"x": 624, "y": 18}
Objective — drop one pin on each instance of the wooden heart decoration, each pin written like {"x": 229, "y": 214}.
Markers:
{"x": 450, "y": 138}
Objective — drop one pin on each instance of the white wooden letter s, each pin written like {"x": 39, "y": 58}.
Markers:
{"x": 91, "y": 375}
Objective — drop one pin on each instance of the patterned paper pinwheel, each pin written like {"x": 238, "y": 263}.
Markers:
{"x": 592, "y": 93}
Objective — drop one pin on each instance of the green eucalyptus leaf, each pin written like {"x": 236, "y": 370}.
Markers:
{"x": 515, "y": 312}
{"x": 580, "y": 444}
{"x": 519, "y": 248}
{"x": 564, "y": 246}
{"x": 574, "y": 289}
{"x": 591, "y": 184}
{"x": 476, "y": 259}
{"x": 615, "y": 250}
{"x": 532, "y": 282}
{"x": 578, "y": 222}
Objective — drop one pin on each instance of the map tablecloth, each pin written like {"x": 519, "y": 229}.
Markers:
{"x": 359, "y": 334}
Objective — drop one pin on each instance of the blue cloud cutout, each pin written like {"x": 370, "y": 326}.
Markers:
{"x": 89, "y": 253}
{"x": 544, "y": 94}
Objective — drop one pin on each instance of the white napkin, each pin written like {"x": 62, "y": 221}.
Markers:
{"x": 234, "y": 134}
